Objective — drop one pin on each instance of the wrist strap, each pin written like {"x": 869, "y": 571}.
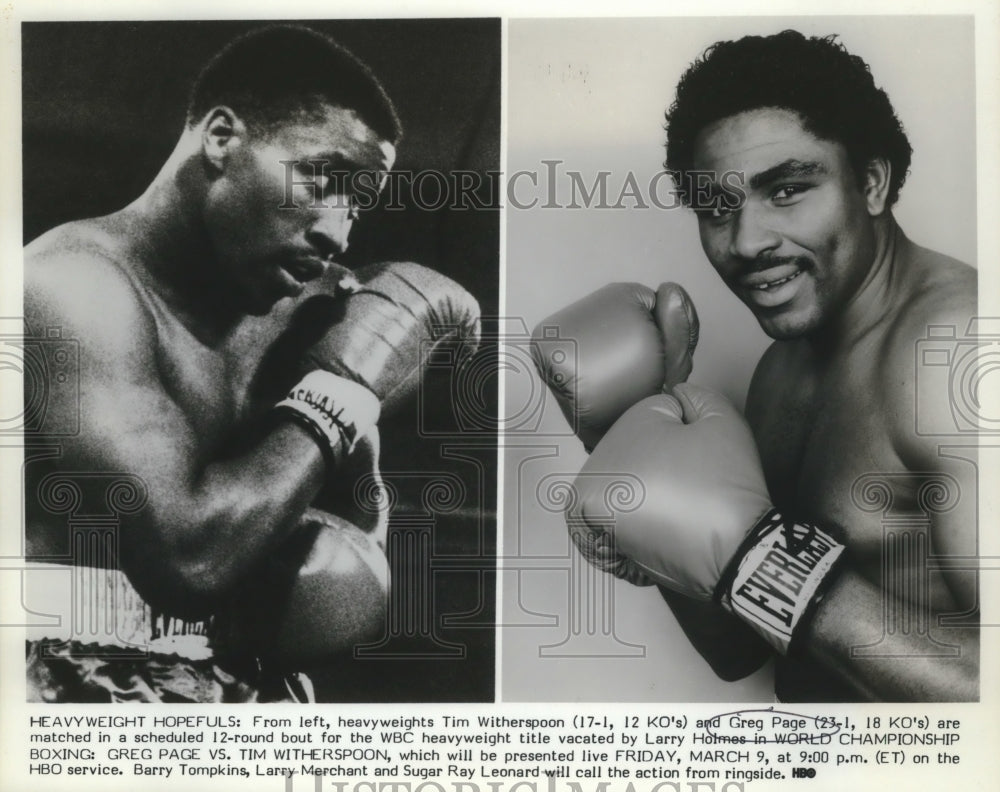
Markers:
{"x": 779, "y": 576}
{"x": 334, "y": 410}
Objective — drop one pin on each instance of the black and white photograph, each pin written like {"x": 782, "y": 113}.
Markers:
{"x": 249, "y": 292}
{"x": 500, "y": 396}
{"x": 746, "y": 251}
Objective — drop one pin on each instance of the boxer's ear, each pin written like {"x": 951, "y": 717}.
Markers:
{"x": 876, "y": 185}
{"x": 222, "y": 133}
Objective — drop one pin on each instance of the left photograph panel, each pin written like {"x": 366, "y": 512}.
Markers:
{"x": 261, "y": 272}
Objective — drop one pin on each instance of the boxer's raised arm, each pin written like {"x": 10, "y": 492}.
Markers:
{"x": 707, "y": 530}
{"x": 206, "y": 520}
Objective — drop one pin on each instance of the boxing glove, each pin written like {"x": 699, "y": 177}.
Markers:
{"x": 700, "y": 521}
{"x": 324, "y": 591}
{"x": 356, "y": 350}
{"x": 384, "y": 324}
{"x": 602, "y": 354}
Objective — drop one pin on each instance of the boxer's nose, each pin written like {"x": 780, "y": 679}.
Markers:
{"x": 331, "y": 229}
{"x": 751, "y": 234}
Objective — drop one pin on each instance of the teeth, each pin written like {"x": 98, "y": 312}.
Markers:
{"x": 772, "y": 284}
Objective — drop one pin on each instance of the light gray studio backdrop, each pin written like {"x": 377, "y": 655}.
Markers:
{"x": 591, "y": 93}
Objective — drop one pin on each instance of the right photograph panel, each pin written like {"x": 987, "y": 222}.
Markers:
{"x": 742, "y": 355}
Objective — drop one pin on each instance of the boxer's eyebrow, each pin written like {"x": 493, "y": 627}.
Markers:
{"x": 789, "y": 169}
{"x": 337, "y": 161}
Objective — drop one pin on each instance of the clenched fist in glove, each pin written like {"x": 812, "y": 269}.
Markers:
{"x": 604, "y": 353}
{"x": 358, "y": 351}
{"x": 387, "y": 321}
{"x": 376, "y": 328}
{"x": 620, "y": 344}
{"x": 703, "y": 524}
{"x": 322, "y": 592}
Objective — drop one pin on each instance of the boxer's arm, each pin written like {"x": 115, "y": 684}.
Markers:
{"x": 855, "y": 610}
{"x": 851, "y": 615}
{"x": 206, "y": 520}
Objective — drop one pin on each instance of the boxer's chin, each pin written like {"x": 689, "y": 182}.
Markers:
{"x": 787, "y": 324}
{"x": 800, "y": 315}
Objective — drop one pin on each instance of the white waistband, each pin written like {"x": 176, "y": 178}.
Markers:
{"x": 100, "y": 606}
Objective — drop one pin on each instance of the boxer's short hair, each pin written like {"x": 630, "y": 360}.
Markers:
{"x": 831, "y": 90}
{"x": 282, "y": 72}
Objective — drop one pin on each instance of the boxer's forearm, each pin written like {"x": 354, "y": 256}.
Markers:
{"x": 851, "y": 615}
{"x": 197, "y": 540}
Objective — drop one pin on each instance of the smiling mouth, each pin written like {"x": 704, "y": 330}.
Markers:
{"x": 771, "y": 285}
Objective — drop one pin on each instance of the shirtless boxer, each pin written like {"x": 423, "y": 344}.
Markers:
{"x": 812, "y": 248}
{"x": 179, "y": 302}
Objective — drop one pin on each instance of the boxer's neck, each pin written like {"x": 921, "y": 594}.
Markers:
{"x": 879, "y": 293}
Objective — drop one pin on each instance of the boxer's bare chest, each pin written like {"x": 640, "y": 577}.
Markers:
{"x": 824, "y": 429}
{"x": 826, "y": 445}
{"x": 218, "y": 384}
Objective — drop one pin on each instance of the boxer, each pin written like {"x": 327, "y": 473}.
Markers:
{"x": 232, "y": 375}
{"x": 754, "y": 528}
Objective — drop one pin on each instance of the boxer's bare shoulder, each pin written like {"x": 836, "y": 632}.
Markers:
{"x": 74, "y": 281}
{"x": 938, "y": 307}
{"x": 87, "y": 279}
{"x": 923, "y": 350}
{"x": 75, "y": 277}
{"x": 939, "y": 290}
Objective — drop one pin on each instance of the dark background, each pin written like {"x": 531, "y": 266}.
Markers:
{"x": 103, "y": 106}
